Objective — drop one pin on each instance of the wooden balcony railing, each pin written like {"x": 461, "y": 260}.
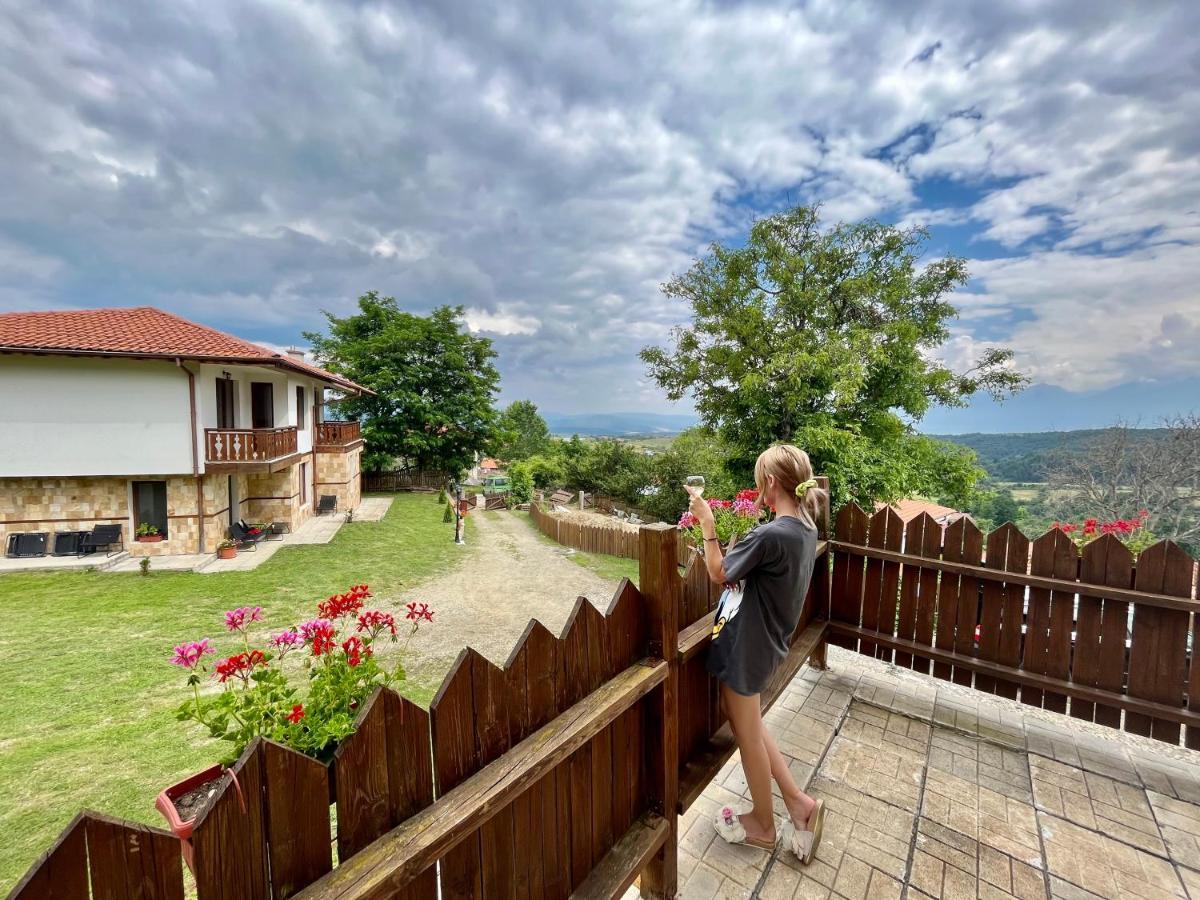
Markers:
{"x": 237, "y": 445}
{"x": 338, "y": 434}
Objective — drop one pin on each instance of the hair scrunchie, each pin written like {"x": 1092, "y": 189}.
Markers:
{"x": 804, "y": 487}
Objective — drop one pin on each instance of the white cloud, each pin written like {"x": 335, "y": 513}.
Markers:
{"x": 500, "y": 322}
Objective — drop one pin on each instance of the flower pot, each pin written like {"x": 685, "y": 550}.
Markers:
{"x": 182, "y": 802}
{"x": 226, "y": 552}
{"x": 150, "y": 538}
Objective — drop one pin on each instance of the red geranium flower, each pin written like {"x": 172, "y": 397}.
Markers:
{"x": 296, "y": 714}
{"x": 355, "y": 650}
{"x": 419, "y": 611}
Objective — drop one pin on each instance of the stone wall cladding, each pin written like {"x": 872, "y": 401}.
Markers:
{"x": 79, "y": 504}
{"x": 338, "y": 473}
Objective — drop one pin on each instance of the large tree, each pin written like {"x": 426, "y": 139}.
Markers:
{"x": 826, "y": 337}
{"x": 521, "y": 431}
{"x": 434, "y": 383}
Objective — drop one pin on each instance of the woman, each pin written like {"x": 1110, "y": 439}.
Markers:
{"x": 754, "y": 625}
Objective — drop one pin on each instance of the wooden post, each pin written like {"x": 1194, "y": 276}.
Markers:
{"x": 660, "y": 584}
{"x": 821, "y": 577}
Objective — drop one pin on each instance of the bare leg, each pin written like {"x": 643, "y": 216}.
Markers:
{"x": 799, "y": 805}
{"x": 745, "y": 719}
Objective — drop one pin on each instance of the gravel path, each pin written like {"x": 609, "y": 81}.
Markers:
{"x": 509, "y": 576}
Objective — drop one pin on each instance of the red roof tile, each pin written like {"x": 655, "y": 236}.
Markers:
{"x": 141, "y": 331}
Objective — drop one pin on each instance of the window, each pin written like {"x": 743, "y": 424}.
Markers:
{"x": 150, "y": 505}
{"x": 299, "y": 407}
{"x": 262, "y": 404}
{"x": 303, "y": 483}
{"x": 225, "y": 403}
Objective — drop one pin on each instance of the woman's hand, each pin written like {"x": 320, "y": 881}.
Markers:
{"x": 699, "y": 508}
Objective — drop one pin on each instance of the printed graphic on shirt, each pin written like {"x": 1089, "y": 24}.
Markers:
{"x": 727, "y": 608}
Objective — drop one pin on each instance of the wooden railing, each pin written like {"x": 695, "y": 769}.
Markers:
{"x": 338, "y": 434}
{"x": 237, "y": 445}
{"x": 1100, "y": 635}
{"x": 598, "y": 538}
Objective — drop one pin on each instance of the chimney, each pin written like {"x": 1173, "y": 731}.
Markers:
{"x": 296, "y": 353}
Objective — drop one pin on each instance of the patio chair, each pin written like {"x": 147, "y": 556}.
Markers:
{"x": 26, "y": 545}
{"x": 240, "y": 535}
{"x": 327, "y": 504}
{"x": 66, "y": 543}
{"x": 104, "y": 537}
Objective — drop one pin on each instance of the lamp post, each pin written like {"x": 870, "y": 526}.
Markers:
{"x": 458, "y": 518}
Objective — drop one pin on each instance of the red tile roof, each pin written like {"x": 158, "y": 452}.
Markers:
{"x": 141, "y": 331}
{"x": 909, "y": 509}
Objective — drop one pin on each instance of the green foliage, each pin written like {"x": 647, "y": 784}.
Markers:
{"x": 434, "y": 383}
{"x": 696, "y": 451}
{"x": 607, "y": 466}
{"x": 547, "y": 470}
{"x": 146, "y": 530}
{"x": 144, "y": 566}
{"x": 992, "y": 508}
{"x": 521, "y": 432}
{"x": 448, "y": 515}
{"x": 520, "y": 478}
{"x": 827, "y": 339}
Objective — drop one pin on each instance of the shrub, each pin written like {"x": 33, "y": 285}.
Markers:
{"x": 441, "y": 497}
{"x": 448, "y": 515}
{"x": 733, "y": 518}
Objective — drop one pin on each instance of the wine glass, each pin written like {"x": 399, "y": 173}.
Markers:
{"x": 696, "y": 484}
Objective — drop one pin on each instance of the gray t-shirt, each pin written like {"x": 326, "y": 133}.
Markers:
{"x": 753, "y": 629}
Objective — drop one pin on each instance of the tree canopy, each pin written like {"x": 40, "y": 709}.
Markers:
{"x": 434, "y": 383}
{"x": 521, "y": 431}
{"x": 827, "y": 338}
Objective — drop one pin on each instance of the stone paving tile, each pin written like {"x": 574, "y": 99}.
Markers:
{"x": 864, "y": 851}
{"x": 1180, "y": 824}
{"x": 1105, "y": 867}
{"x": 1169, "y": 776}
{"x": 982, "y": 814}
{"x": 1114, "y": 808}
{"x": 1191, "y": 881}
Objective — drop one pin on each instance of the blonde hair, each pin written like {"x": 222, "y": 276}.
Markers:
{"x": 793, "y": 472}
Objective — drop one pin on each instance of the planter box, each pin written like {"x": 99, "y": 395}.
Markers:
{"x": 150, "y": 538}
{"x": 179, "y": 822}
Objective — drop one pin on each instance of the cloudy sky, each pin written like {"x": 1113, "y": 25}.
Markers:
{"x": 548, "y": 164}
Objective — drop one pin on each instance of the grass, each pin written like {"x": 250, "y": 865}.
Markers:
{"x": 87, "y": 696}
{"x": 613, "y": 568}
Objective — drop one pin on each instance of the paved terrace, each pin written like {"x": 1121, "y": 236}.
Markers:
{"x": 935, "y": 790}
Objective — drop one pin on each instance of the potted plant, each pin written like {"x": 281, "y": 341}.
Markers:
{"x": 301, "y": 688}
{"x": 226, "y": 550}
{"x": 733, "y": 518}
{"x": 148, "y": 534}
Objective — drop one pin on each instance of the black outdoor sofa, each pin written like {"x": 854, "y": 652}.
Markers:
{"x": 102, "y": 537}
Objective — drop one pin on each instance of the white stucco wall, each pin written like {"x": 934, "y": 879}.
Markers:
{"x": 78, "y": 416}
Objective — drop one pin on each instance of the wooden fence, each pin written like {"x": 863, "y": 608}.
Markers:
{"x": 1101, "y": 635}
{"x": 598, "y": 538}
{"x": 404, "y": 480}
{"x": 560, "y": 774}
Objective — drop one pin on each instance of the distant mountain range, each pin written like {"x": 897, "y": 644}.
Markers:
{"x": 1023, "y": 456}
{"x": 619, "y": 424}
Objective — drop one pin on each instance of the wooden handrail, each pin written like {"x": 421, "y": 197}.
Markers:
{"x": 338, "y": 434}
{"x": 384, "y": 867}
{"x": 1087, "y": 589}
{"x": 249, "y": 444}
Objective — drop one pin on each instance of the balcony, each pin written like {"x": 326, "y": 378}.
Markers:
{"x": 249, "y": 449}
{"x": 338, "y": 435}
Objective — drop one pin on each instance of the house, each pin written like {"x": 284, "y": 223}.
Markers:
{"x": 909, "y": 509}
{"x": 137, "y": 416}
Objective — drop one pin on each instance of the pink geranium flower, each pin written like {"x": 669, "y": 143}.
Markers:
{"x": 238, "y": 619}
{"x": 188, "y": 656}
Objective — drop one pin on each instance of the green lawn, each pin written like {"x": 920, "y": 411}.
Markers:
{"x": 613, "y": 568}
{"x": 86, "y": 690}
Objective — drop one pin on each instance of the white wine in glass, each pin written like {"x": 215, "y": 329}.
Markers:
{"x": 696, "y": 482}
